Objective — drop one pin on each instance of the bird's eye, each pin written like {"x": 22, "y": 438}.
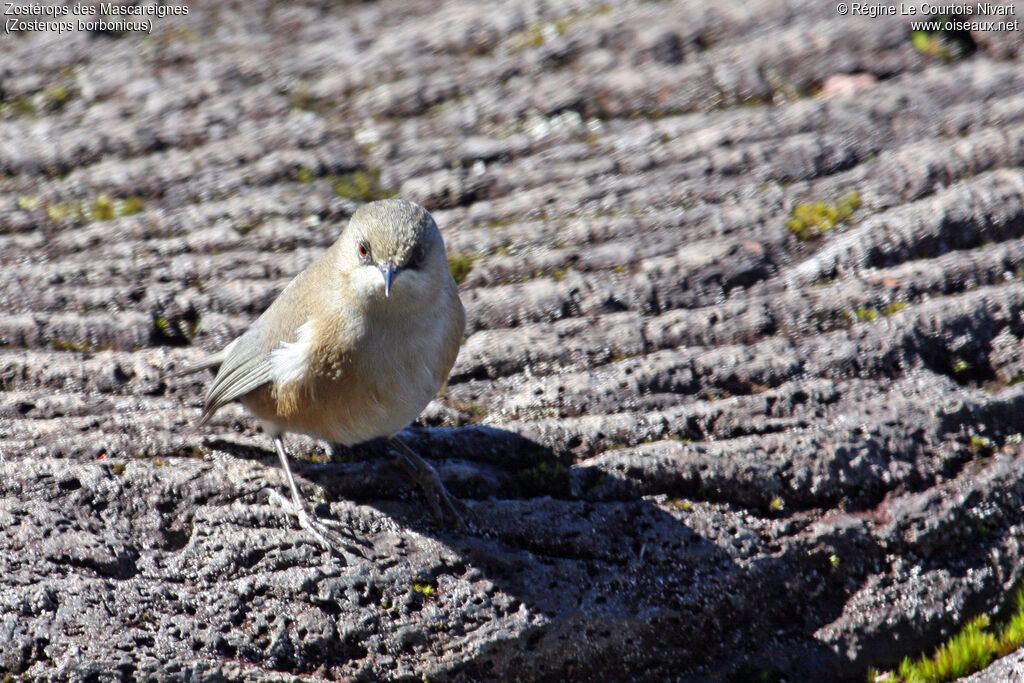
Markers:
{"x": 363, "y": 251}
{"x": 416, "y": 260}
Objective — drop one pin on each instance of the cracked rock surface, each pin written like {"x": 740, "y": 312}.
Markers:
{"x": 696, "y": 446}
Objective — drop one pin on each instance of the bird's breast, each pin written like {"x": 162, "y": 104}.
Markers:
{"x": 365, "y": 382}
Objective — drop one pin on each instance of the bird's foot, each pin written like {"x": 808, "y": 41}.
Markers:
{"x": 331, "y": 534}
{"x": 445, "y": 507}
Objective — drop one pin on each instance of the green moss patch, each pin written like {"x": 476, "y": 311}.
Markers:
{"x": 940, "y": 38}
{"x": 970, "y": 650}
{"x": 459, "y": 265}
{"x": 361, "y": 186}
{"x": 811, "y": 221}
{"x": 103, "y": 208}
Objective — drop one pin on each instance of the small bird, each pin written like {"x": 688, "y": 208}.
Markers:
{"x": 354, "y": 347}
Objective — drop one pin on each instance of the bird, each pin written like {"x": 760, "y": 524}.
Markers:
{"x": 353, "y": 348}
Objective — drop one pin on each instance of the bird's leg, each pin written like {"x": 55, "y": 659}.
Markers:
{"x": 421, "y": 472}
{"x": 327, "y": 537}
{"x": 296, "y": 496}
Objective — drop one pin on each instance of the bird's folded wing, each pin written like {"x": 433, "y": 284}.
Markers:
{"x": 246, "y": 368}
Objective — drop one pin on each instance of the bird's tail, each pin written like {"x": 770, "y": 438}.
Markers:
{"x": 212, "y": 361}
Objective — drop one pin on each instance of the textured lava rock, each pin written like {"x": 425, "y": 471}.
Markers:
{"x": 696, "y": 447}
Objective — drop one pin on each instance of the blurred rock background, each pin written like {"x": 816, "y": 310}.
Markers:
{"x": 740, "y": 397}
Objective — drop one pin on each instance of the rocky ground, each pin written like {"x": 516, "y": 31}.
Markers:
{"x": 701, "y": 441}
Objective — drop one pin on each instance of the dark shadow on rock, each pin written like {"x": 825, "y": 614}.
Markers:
{"x": 611, "y": 589}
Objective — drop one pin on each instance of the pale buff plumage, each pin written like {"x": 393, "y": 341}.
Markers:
{"x": 341, "y": 356}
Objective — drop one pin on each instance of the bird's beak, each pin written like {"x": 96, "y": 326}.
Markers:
{"x": 389, "y": 271}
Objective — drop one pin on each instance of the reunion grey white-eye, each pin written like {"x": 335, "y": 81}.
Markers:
{"x": 355, "y": 346}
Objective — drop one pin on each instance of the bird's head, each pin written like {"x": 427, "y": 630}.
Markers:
{"x": 393, "y": 253}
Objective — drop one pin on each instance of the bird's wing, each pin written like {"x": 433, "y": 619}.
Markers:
{"x": 245, "y": 368}
{"x": 247, "y": 362}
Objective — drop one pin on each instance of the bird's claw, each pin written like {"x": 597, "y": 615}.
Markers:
{"x": 329, "y": 533}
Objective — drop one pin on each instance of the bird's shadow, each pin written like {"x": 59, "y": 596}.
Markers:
{"x": 603, "y": 580}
